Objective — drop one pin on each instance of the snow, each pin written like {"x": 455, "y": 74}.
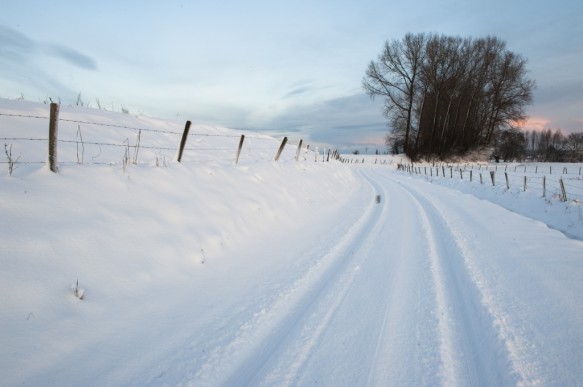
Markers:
{"x": 212, "y": 273}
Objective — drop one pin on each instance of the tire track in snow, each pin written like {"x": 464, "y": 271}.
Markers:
{"x": 406, "y": 349}
{"x": 247, "y": 356}
{"x": 449, "y": 363}
{"x": 470, "y": 348}
{"x": 318, "y": 320}
{"x": 515, "y": 345}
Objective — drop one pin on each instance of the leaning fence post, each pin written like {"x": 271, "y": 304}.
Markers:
{"x": 564, "y": 198}
{"x": 281, "y": 148}
{"x": 53, "y": 129}
{"x": 299, "y": 149}
{"x": 492, "y": 176}
{"x": 183, "y": 141}
{"x": 507, "y": 185}
{"x": 239, "y": 148}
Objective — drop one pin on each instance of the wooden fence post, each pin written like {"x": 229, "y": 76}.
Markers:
{"x": 183, "y": 141}
{"x": 506, "y": 176}
{"x": 239, "y": 148}
{"x": 53, "y": 129}
{"x": 525, "y": 183}
{"x": 544, "y": 186}
{"x": 281, "y": 148}
{"x": 492, "y": 176}
{"x": 299, "y": 149}
{"x": 564, "y": 197}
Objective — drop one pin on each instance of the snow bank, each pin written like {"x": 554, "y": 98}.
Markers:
{"x": 132, "y": 236}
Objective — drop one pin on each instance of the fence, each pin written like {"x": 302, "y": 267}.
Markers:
{"x": 77, "y": 141}
{"x": 560, "y": 181}
{"x": 358, "y": 160}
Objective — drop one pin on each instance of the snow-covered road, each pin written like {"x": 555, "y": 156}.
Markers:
{"x": 209, "y": 273}
{"x": 429, "y": 286}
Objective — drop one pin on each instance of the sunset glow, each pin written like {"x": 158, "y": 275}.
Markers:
{"x": 537, "y": 124}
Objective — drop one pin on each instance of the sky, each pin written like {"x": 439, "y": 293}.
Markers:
{"x": 291, "y": 68}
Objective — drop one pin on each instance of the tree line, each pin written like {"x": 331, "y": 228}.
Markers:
{"x": 548, "y": 146}
{"x": 447, "y": 95}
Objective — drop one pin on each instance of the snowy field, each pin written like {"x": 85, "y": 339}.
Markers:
{"x": 209, "y": 273}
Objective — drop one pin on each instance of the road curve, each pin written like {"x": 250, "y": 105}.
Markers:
{"x": 428, "y": 286}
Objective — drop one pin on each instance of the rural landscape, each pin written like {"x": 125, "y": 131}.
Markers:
{"x": 127, "y": 267}
{"x": 306, "y": 193}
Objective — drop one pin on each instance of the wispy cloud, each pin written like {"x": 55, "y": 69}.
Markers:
{"x": 20, "y": 71}
{"x": 353, "y": 119}
{"x": 559, "y": 91}
{"x": 72, "y": 56}
{"x": 15, "y": 46}
{"x": 297, "y": 91}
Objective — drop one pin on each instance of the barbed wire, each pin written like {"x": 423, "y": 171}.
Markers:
{"x": 119, "y": 126}
{"x": 22, "y": 162}
{"x": 22, "y": 139}
{"x": 194, "y": 134}
{"x": 517, "y": 181}
{"x": 22, "y": 115}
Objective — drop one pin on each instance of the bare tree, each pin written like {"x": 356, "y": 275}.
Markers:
{"x": 395, "y": 76}
{"x": 574, "y": 147}
{"x": 448, "y": 95}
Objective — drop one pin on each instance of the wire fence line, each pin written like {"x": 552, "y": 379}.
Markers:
{"x": 144, "y": 129}
{"x": 78, "y": 138}
{"x": 562, "y": 185}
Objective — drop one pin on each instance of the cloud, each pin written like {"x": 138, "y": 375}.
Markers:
{"x": 559, "y": 91}
{"x": 72, "y": 56}
{"x": 340, "y": 122}
{"x": 21, "y": 71}
{"x": 296, "y": 91}
{"x": 536, "y": 123}
{"x": 14, "y": 46}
